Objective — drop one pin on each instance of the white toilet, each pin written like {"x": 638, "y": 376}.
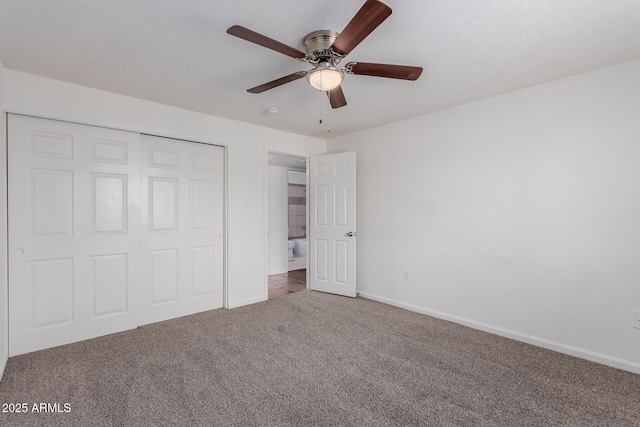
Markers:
{"x": 290, "y": 245}
{"x": 300, "y": 248}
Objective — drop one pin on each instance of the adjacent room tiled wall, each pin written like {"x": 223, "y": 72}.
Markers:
{"x": 297, "y": 211}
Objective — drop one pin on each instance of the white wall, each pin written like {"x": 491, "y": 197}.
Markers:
{"x": 518, "y": 214}
{"x": 246, "y": 144}
{"x": 278, "y": 205}
{"x": 4, "y": 308}
{"x": 297, "y": 177}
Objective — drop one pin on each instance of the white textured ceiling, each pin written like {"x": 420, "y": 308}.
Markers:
{"x": 178, "y": 53}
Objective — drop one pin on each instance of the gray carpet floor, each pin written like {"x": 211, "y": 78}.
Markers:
{"x": 315, "y": 359}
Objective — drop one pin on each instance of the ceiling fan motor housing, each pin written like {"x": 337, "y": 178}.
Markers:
{"x": 318, "y": 43}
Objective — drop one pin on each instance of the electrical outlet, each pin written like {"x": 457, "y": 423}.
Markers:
{"x": 406, "y": 277}
{"x": 636, "y": 319}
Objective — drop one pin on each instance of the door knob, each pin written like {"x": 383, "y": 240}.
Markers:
{"x": 351, "y": 234}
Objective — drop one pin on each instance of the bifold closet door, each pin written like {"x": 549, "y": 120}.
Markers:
{"x": 182, "y": 218}
{"x": 83, "y": 258}
{"x": 73, "y": 194}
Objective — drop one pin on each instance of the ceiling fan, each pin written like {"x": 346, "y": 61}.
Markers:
{"x": 325, "y": 49}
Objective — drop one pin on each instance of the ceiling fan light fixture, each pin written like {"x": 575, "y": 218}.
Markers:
{"x": 325, "y": 77}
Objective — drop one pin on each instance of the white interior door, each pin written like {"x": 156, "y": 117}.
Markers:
{"x": 332, "y": 224}
{"x": 71, "y": 195}
{"x": 83, "y": 260}
{"x": 182, "y": 191}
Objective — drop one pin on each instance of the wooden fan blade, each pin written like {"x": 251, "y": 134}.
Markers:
{"x": 336, "y": 97}
{"x": 370, "y": 15}
{"x": 403, "y": 72}
{"x": 257, "y": 38}
{"x": 277, "y": 82}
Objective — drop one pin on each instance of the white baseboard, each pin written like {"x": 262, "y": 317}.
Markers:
{"x": 3, "y": 364}
{"x": 236, "y": 304}
{"x": 603, "y": 359}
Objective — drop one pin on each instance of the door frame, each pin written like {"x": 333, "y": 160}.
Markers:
{"x": 265, "y": 174}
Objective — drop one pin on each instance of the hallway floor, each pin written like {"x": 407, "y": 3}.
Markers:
{"x": 287, "y": 283}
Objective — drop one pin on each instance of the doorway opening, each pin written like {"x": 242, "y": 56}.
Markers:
{"x": 287, "y": 227}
